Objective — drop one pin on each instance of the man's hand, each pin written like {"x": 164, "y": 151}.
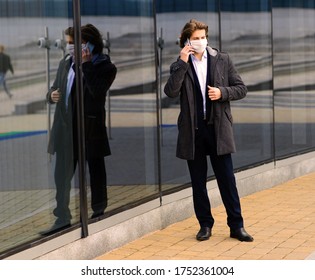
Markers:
{"x": 185, "y": 52}
{"x": 86, "y": 55}
{"x": 214, "y": 93}
{"x": 56, "y": 95}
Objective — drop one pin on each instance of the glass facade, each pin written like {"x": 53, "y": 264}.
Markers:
{"x": 247, "y": 36}
{"x": 293, "y": 45}
{"x": 270, "y": 42}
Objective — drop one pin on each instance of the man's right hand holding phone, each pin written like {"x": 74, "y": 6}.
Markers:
{"x": 185, "y": 52}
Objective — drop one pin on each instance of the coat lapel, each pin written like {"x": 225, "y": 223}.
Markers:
{"x": 213, "y": 63}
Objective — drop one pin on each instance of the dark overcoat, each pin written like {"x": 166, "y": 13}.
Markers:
{"x": 181, "y": 83}
{"x": 98, "y": 76}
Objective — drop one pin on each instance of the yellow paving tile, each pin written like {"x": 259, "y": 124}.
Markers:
{"x": 296, "y": 256}
{"x": 154, "y": 248}
{"x": 291, "y": 243}
{"x": 139, "y": 256}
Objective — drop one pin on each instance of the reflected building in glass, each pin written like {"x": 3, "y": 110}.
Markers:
{"x": 272, "y": 44}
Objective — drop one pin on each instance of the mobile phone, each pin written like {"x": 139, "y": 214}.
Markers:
{"x": 187, "y": 42}
{"x": 90, "y": 46}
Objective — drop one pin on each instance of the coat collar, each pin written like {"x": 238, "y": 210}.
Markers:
{"x": 213, "y": 52}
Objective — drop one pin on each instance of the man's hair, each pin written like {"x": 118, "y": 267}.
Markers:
{"x": 1, "y": 48}
{"x": 189, "y": 28}
{"x": 69, "y": 32}
{"x": 90, "y": 33}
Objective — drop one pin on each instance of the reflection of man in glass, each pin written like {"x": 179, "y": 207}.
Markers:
{"x": 5, "y": 65}
{"x": 98, "y": 75}
{"x": 207, "y": 81}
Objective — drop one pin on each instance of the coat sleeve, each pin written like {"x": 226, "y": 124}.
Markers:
{"x": 99, "y": 78}
{"x": 177, "y": 74}
{"x": 233, "y": 87}
{"x": 56, "y": 83}
{"x": 10, "y": 66}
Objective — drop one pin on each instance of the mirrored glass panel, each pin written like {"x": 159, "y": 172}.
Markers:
{"x": 294, "y": 72}
{"x": 127, "y": 28}
{"x": 246, "y": 36}
{"x": 32, "y": 44}
{"x": 171, "y": 18}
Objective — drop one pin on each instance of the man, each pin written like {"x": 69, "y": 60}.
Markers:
{"x": 98, "y": 75}
{"x": 206, "y": 81}
{"x": 5, "y": 65}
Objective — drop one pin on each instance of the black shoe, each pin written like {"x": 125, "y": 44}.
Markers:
{"x": 203, "y": 234}
{"x": 57, "y": 226}
{"x": 97, "y": 214}
{"x": 241, "y": 235}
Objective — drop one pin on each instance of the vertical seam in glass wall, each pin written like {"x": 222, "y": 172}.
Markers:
{"x": 273, "y": 87}
{"x": 158, "y": 102}
{"x": 80, "y": 117}
{"x": 219, "y": 18}
{"x": 48, "y": 106}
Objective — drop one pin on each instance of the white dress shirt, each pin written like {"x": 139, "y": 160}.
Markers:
{"x": 70, "y": 80}
{"x": 201, "y": 67}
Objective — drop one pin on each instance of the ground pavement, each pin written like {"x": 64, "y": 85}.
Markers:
{"x": 281, "y": 219}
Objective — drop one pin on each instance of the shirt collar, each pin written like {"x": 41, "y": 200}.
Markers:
{"x": 204, "y": 56}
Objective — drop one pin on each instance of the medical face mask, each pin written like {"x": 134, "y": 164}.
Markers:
{"x": 70, "y": 49}
{"x": 199, "y": 45}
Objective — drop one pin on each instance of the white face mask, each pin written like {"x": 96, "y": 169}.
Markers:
{"x": 199, "y": 45}
{"x": 70, "y": 49}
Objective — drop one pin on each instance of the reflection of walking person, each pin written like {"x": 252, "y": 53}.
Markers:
{"x": 98, "y": 75}
{"x": 206, "y": 81}
{"x": 5, "y": 65}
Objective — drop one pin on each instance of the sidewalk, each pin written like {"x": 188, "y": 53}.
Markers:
{"x": 281, "y": 219}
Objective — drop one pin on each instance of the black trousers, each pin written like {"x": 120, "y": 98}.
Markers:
{"x": 64, "y": 171}
{"x": 4, "y": 84}
{"x": 223, "y": 170}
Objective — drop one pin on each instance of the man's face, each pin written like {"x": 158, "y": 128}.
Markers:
{"x": 198, "y": 35}
{"x": 198, "y": 41}
{"x": 69, "y": 40}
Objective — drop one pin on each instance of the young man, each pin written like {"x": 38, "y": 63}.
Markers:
{"x": 206, "y": 81}
{"x": 5, "y": 65}
{"x": 98, "y": 75}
